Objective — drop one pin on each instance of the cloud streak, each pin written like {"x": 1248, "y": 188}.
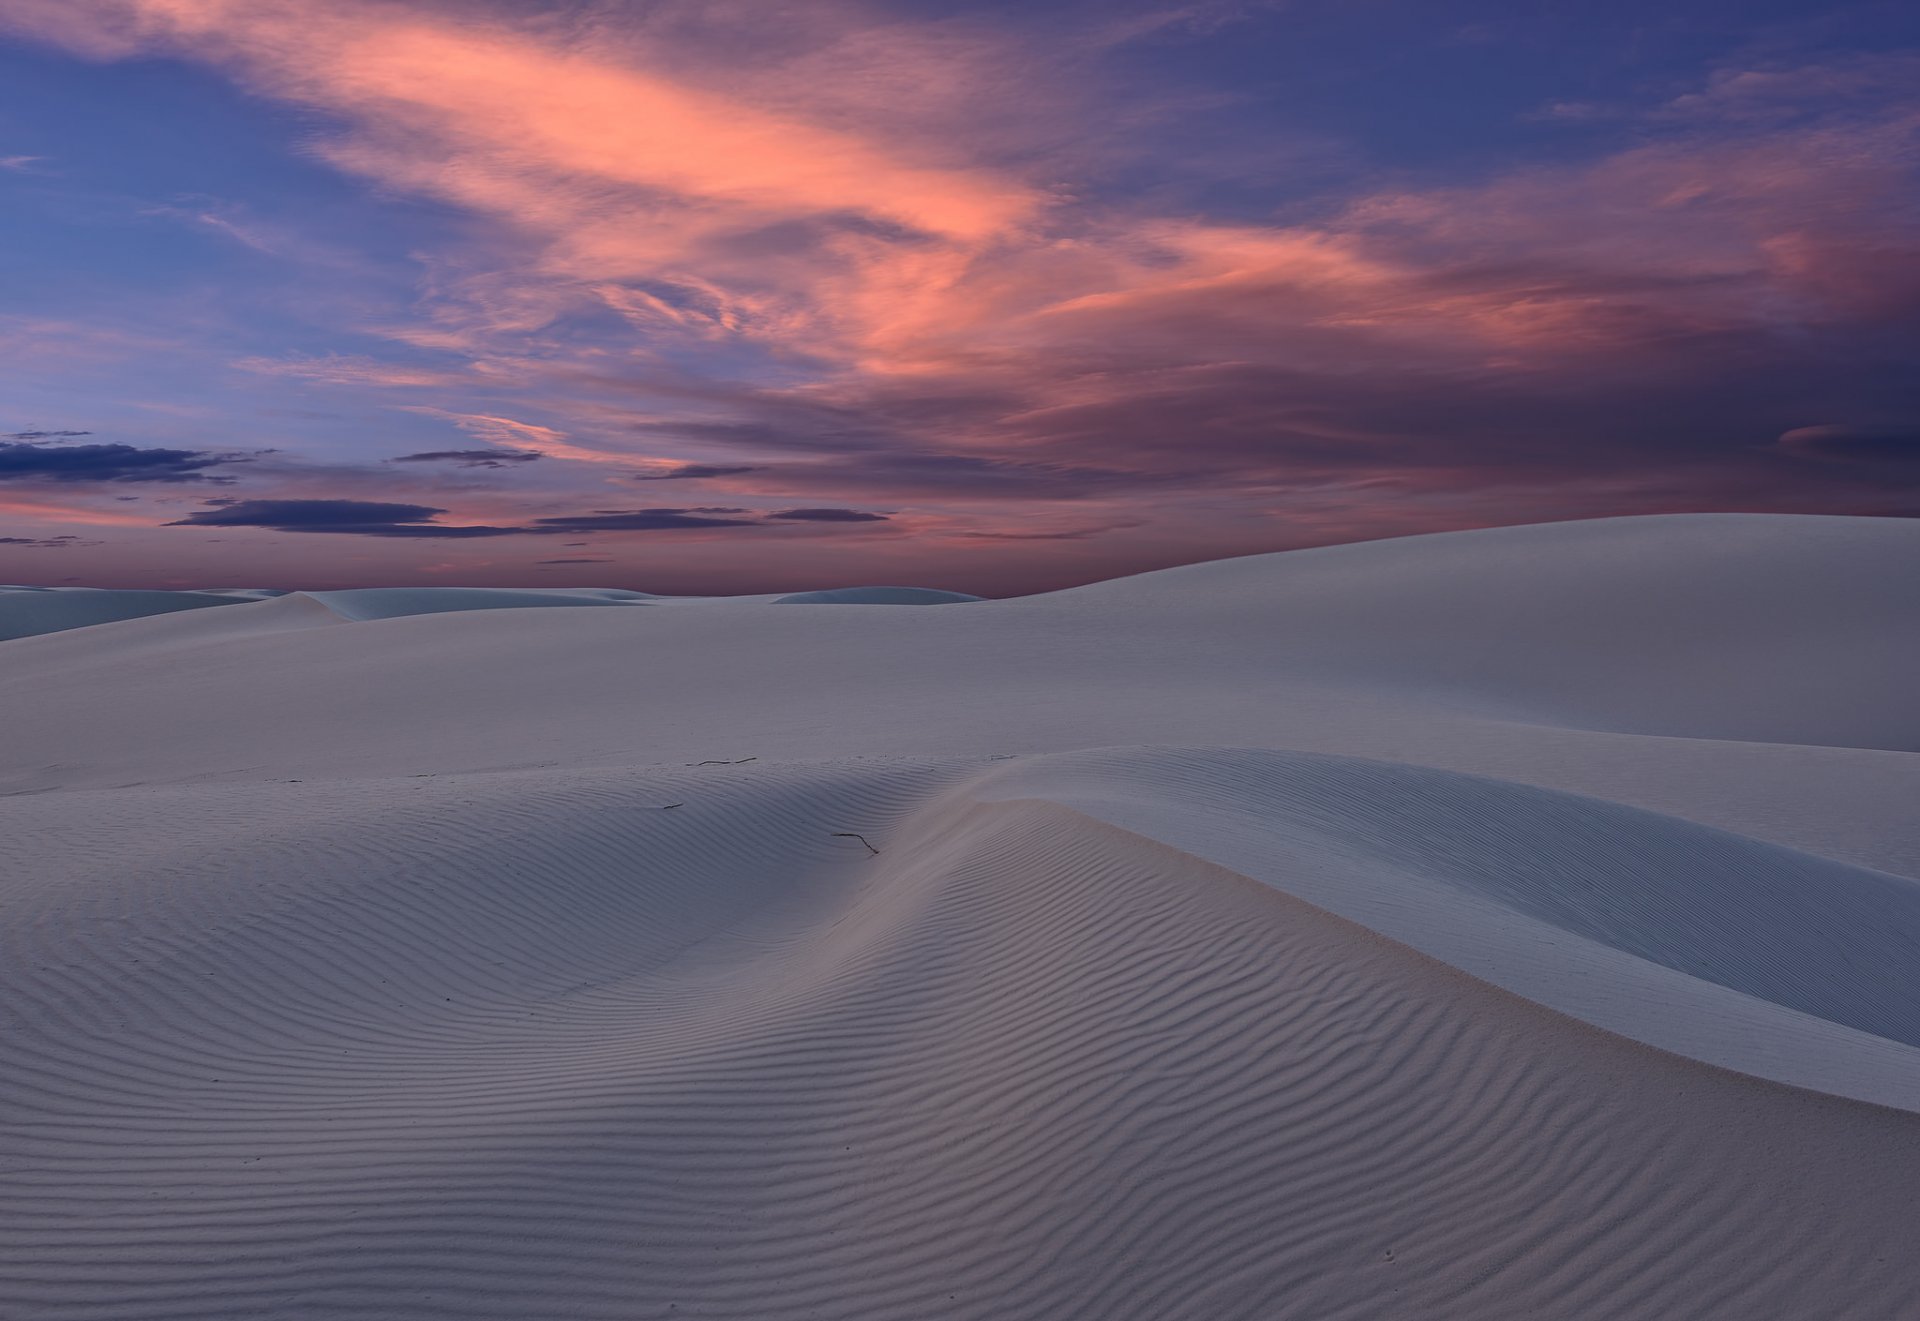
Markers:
{"x": 828, "y": 516}
{"x": 41, "y": 543}
{"x": 26, "y": 459}
{"x": 496, "y": 458}
{"x": 698, "y": 472}
{"x": 380, "y": 518}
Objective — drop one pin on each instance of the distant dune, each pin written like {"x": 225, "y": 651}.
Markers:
{"x": 1508, "y": 924}
{"x": 27, "y": 611}
{"x": 876, "y": 596}
{"x": 30, "y": 611}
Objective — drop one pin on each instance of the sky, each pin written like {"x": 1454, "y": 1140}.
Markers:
{"x": 749, "y": 295}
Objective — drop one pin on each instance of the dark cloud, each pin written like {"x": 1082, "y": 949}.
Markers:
{"x": 43, "y": 543}
{"x": 496, "y": 458}
{"x": 375, "y": 518}
{"x": 27, "y": 460}
{"x": 307, "y": 515}
{"x": 576, "y": 561}
{"x": 694, "y": 471}
{"x": 640, "y": 520}
{"x": 367, "y": 518}
{"x": 829, "y": 516}
{"x": 1879, "y": 445}
{"x": 41, "y": 435}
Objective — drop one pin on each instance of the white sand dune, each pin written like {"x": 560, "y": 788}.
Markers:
{"x": 393, "y": 602}
{"x": 1521, "y": 923}
{"x": 31, "y": 611}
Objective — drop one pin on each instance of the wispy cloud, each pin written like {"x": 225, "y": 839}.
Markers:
{"x": 514, "y": 436}
{"x": 340, "y": 369}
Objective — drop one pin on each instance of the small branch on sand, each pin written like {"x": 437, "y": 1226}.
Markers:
{"x": 743, "y": 761}
{"x": 848, "y": 834}
{"x": 670, "y": 806}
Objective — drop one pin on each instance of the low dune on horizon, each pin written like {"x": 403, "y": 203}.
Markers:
{"x": 1519, "y": 923}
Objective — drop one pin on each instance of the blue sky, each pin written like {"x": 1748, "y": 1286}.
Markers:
{"x": 1018, "y": 295}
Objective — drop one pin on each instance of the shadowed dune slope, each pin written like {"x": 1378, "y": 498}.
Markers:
{"x": 28, "y": 611}
{"x": 531, "y": 1045}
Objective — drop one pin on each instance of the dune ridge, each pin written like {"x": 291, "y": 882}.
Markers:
{"x": 32, "y": 611}
{"x": 1120, "y": 952}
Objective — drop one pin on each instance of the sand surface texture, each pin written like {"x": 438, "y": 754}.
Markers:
{"x": 1506, "y": 924}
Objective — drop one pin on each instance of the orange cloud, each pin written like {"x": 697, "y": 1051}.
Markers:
{"x": 580, "y": 116}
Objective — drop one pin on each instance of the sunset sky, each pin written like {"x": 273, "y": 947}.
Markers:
{"x": 740, "y": 295}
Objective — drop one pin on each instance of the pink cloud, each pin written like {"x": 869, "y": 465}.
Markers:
{"x": 40, "y": 510}
{"x": 510, "y": 434}
{"x": 339, "y": 369}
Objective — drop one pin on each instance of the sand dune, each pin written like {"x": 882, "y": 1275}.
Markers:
{"x": 1503, "y": 924}
{"x": 876, "y": 596}
{"x": 31, "y": 611}
{"x": 27, "y": 611}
